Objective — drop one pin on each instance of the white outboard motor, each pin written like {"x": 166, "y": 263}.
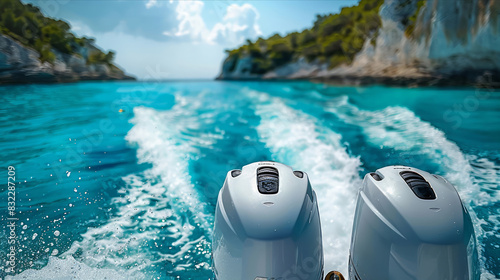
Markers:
{"x": 267, "y": 225}
{"x": 410, "y": 224}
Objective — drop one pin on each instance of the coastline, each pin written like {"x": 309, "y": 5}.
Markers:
{"x": 44, "y": 78}
{"x": 399, "y": 47}
{"x": 340, "y": 80}
{"x": 485, "y": 80}
{"x": 20, "y": 64}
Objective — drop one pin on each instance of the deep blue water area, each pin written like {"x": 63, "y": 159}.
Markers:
{"x": 120, "y": 179}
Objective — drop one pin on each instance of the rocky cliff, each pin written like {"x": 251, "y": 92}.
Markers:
{"x": 417, "y": 42}
{"x": 22, "y": 64}
{"x": 35, "y": 48}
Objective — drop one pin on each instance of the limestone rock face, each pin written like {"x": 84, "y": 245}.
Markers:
{"x": 450, "y": 37}
{"x": 21, "y": 64}
{"x": 14, "y": 56}
{"x": 453, "y": 42}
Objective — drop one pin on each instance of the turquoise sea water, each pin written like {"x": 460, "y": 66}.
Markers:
{"x": 103, "y": 194}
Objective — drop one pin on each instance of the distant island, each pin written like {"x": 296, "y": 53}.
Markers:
{"x": 38, "y": 49}
{"x": 398, "y": 42}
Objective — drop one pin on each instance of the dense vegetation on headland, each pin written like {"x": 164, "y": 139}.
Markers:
{"x": 26, "y": 24}
{"x": 334, "y": 39}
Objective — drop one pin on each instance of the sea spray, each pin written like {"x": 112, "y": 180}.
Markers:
{"x": 160, "y": 217}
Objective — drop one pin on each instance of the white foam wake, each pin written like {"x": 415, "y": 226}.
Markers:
{"x": 400, "y": 129}
{"x": 297, "y": 139}
{"x": 69, "y": 268}
{"x": 159, "y": 204}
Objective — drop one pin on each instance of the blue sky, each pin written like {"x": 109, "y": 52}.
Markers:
{"x": 164, "y": 39}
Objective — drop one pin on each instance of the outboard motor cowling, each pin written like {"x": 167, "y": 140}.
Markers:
{"x": 267, "y": 225}
{"x": 410, "y": 224}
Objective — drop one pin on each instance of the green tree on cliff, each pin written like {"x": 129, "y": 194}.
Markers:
{"x": 334, "y": 39}
{"x": 26, "y": 24}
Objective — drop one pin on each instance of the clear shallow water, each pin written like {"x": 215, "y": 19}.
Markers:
{"x": 130, "y": 195}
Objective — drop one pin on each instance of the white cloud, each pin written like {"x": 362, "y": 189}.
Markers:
{"x": 238, "y": 24}
{"x": 190, "y": 20}
{"x": 151, "y": 3}
{"x": 80, "y": 29}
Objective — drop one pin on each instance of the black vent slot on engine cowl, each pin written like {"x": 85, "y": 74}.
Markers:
{"x": 298, "y": 174}
{"x": 376, "y": 176}
{"x": 235, "y": 173}
{"x": 268, "y": 180}
{"x": 420, "y": 187}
